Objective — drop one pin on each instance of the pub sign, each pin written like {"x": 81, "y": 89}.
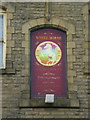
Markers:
{"x": 48, "y": 62}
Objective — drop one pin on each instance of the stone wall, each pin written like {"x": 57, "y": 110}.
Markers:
{"x": 16, "y": 77}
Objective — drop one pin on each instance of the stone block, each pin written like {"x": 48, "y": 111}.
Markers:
{"x": 86, "y": 36}
{"x": 85, "y": 58}
{"x": 25, "y": 44}
{"x": 75, "y": 103}
{"x": 70, "y": 80}
{"x": 27, "y": 37}
{"x": 24, "y": 72}
{"x": 27, "y": 50}
{"x": 85, "y": 14}
{"x": 25, "y": 87}
{"x": 86, "y": 45}
{"x": 33, "y": 23}
{"x": 8, "y": 50}
{"x": 25, "y": 28}
{"x": 72, "y": 87}
{"x": 70, "y": 66}
{"x": 24, "y": 103}
{"x": 55, "y": 21}
{"x": 9, "y": 16}
{"x": 70, "y": 45}
{"x": 69, "y": 37}
{"x": 69, "y": 51}
{"x": 85, "y": 17}
{"x": 10, "y": 71}
{"x": 10, "y": 43}
{"x": 71, "y": 58}
{"x": 71, "y": 73}
{"x": 9, "y": 36}
{"x": 8, "y": 22}
{"x": 10, "y": 8}
{"x": 63, "y": 24}
{"x": 10, "y": 30}
{"x": 41, "y": 21}
{"x": 71, "y": 28}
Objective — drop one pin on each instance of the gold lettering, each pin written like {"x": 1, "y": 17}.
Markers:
{"x": 54, "y": 38}
{"x": 36, "y": 37}
{"x": 49, "y": 37}
{"x": 45, "y": 37}
{"x": 59, "y": 38}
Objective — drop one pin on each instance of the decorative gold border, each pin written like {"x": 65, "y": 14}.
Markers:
{"x": 40, "y": 60}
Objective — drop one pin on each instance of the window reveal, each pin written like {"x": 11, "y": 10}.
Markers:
{"x": 2, "y": 40}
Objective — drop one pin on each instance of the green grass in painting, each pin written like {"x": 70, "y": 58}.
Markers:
{"x": 44, "y": 59}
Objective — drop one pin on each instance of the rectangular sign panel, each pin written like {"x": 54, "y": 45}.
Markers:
{"x": 48, "y": 63}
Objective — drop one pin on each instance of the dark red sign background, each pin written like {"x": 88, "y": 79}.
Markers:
{"x": 48, "y": 79}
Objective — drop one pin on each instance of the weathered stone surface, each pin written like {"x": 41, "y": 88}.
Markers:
{"x": 21, "y": 17}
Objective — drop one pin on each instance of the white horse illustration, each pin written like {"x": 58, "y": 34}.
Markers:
{"x": 49, "y": 52}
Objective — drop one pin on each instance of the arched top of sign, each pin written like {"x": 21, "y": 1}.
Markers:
{"x": 47, "y": 27}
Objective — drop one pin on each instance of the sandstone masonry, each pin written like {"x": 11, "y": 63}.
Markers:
{"x": 74, "y": 18}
